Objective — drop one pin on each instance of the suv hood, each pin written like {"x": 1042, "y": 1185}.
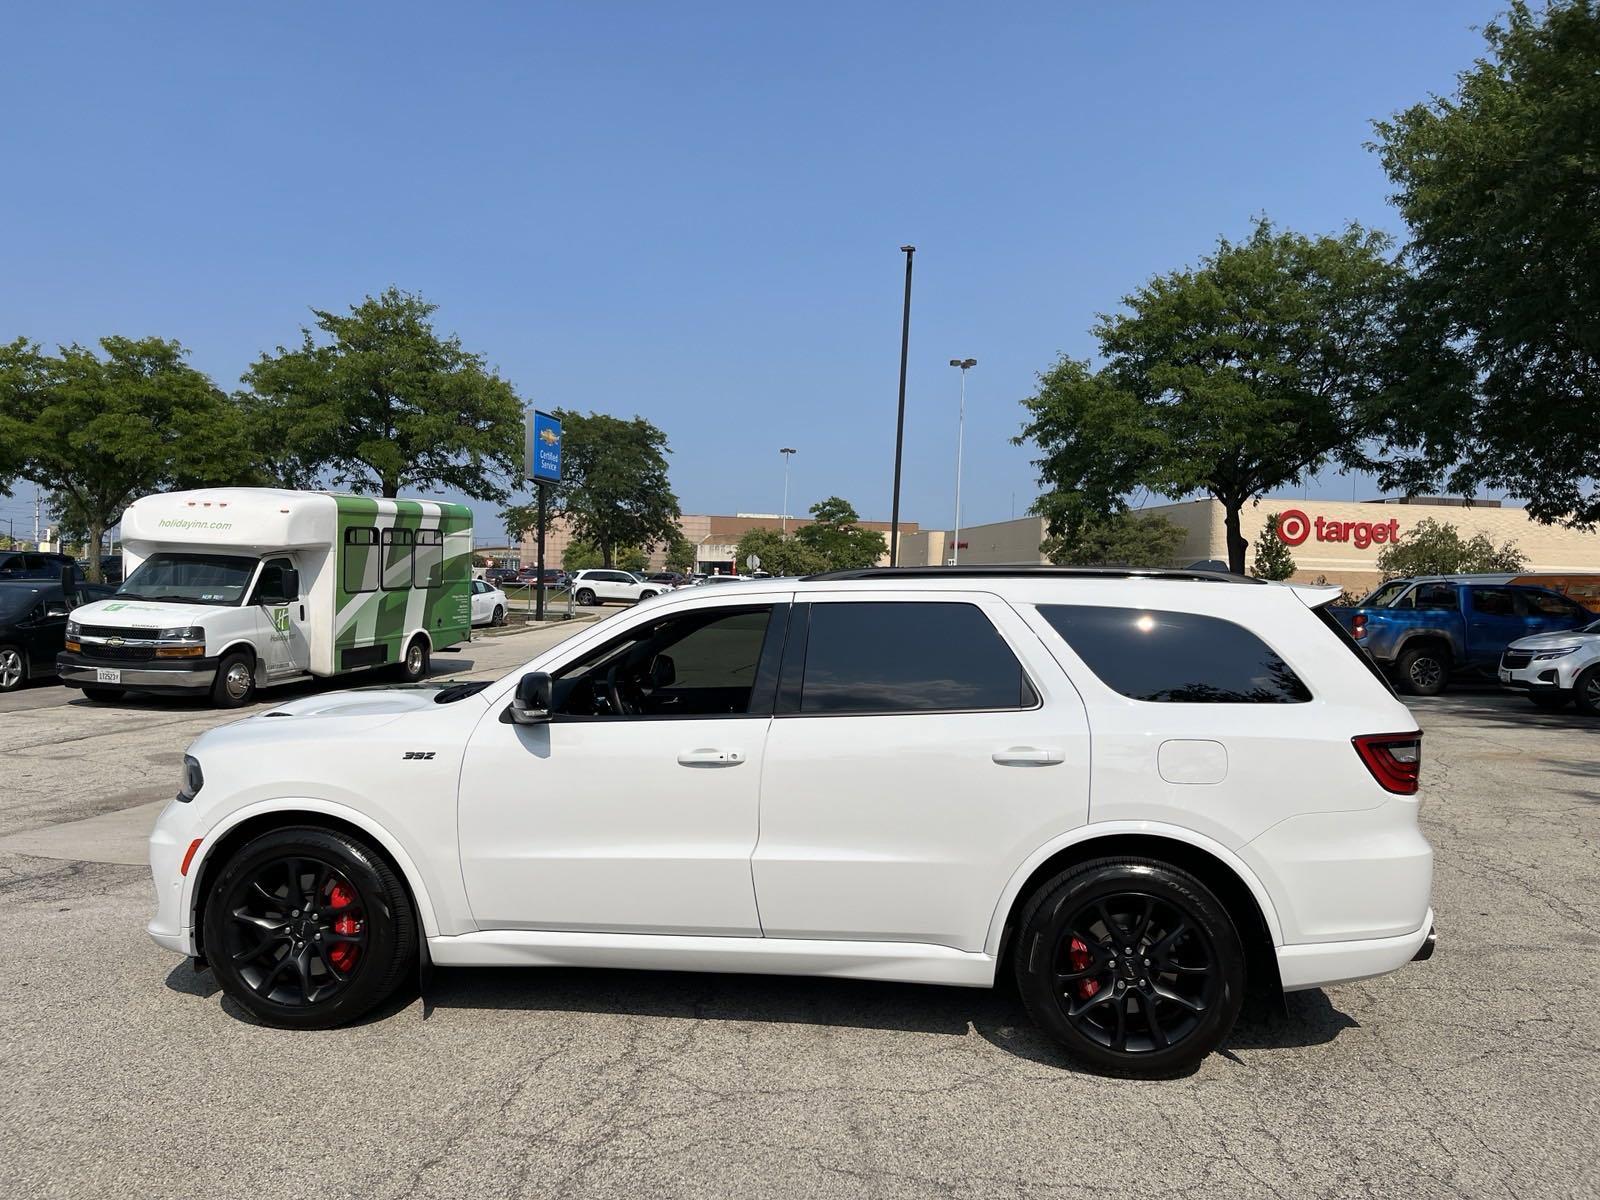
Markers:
{"x": 362, "y": 702}
{"x": 1547, "y": 641}
{"x": 141, "y": 614}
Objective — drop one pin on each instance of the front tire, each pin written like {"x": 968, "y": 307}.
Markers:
{"x": 1424, "y": 671}
{"x": 13, "y": 668}
{"x": 499, "y": 617}
{"x": 585, "y": 596}
{"x": 235, "y": 684}
{"x": 308, "y": 928}
{"x": 1132, "y": 965}
{"x": 1586, "y": 691}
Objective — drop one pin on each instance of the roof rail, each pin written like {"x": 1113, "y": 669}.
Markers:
{"x": 1030, "y": 569}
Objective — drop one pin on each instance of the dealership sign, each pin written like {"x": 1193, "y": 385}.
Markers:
{"x": 1295, "y": 527}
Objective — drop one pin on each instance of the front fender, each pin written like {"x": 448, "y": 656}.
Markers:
{"x": 1104, "y": 829}
{"x": 311, "y": 807}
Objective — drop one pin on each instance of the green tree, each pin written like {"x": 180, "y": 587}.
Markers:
{"x": 1437, "y": 548}
{"x": 680, "y": 555}
{"x": 1500, "y": 329}
{"x": 633, "y": 558}
{"x": 1124, "y": 539}
{"x": 1273, "y": 560}
{"x": 614, "y": 491}
{"x": 98, "y": 431}
{"x": 580, "y": 556}
{"x": 386, "y": 403}
{"x": 1234, "y": 378}
{"x": 836, "y": 535}
{"x": 779, "y": 555}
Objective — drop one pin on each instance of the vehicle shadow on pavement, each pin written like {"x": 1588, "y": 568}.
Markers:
{"x": 997, "y": 1016}
{"x": 1489, "y": 705}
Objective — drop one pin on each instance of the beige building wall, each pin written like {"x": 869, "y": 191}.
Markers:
{"x": 1000, "y": 543}
{"x": 1336, "y": 552}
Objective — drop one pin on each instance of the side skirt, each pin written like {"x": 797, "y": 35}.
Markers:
{"x": 899, "y": 962}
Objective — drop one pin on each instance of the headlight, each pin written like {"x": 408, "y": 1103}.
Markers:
{"x": 191, "y": 780}
{"x": 1558, "y": 653}
{"x": 183, "y": 633}
{"x": 74, "y": 630}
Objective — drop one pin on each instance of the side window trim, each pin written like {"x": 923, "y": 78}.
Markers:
{"x": 371, "y": 547}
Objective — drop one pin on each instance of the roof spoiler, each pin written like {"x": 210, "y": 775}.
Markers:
{"x": 1315, "y": 595}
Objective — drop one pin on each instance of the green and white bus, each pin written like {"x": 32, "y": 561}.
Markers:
{"x": 231, "y": 589}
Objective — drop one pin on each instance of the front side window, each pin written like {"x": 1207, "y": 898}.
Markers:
{"x": 699, "y": 664}
{"x": 396, "y": 559}
{"x": 908, "y": 656}
{"x": 361, "y": 563}
{"x": 191, "y": 578}
{"x": 1437, "y": 597}
{"x": 1175, "y": 657}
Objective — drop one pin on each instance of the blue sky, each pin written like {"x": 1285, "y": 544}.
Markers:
{"x": 692, "y": 211}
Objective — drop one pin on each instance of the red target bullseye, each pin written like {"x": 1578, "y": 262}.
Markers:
{"x": 1293, "y": 527}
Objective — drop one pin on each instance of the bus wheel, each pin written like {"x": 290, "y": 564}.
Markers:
{"x": 236, "y": 681}
{"x": 414, "y": 666}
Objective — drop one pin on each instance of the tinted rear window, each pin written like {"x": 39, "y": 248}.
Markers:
{"x": 1175, "y": 657}
{"x": 910, "y": 656}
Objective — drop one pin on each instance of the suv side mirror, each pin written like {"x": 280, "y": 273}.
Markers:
{"x": 56, "y": 609}
{"x": 531, "y": 703}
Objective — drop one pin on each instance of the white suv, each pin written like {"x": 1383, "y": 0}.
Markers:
{"x": 1555, "y": 669}
{"x": 597, "y": 585}
{"x": 1137, "y": 792}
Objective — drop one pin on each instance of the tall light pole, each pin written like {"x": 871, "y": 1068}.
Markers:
{"x": 965, "y": 365}
{"x": 788, "y": 452}
{"x": 900, "y": 420}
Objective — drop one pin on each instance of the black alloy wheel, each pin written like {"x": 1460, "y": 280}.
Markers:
{"x": 585, "y": 597}
{"x": 308, "y": 929}
{"x": 1424, "y": 672}
{"x": 1133, "y": 965}
{"x": 498, "y": 618}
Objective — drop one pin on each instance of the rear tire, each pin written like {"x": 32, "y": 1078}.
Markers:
{"x": 104, "y": 695}
{"x": 308, "y": 928}
{"x": 1132, "y": 965}
{"x": 1424, "y": 671}
{"x": 414, "y": 666}
{"x": 235, "y": 684}
{"x": 499, "y": 617}
{"x": 585, "y": 597}
{"x": 1586, "y": 691}
{"x": 13, "y": 668}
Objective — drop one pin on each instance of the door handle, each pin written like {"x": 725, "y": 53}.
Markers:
{"x": 711, "y": 758}
{"x": 1028, "y": 756}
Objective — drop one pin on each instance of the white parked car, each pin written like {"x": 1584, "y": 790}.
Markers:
{"x": 597, "y": 585}
{"x": 1556, "y": 669}
{"x": 1137, "y": 793}
{"x": 489, "y": 606}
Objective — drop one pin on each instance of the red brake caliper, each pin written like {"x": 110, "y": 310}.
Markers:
{"x": 1079, "y": 957}
{"x": 344, "y": 954}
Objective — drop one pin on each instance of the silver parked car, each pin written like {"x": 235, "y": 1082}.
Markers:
{"x": 1556, "y": 669}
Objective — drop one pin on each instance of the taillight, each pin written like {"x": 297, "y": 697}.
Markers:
{"x": 1358, "y": 626}
{"x": 1393, "y": 758}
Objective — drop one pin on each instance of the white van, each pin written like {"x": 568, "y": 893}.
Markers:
{"x": 230, "y": 589}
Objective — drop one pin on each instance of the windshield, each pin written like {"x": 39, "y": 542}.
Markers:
{"x": 1385, "y": 595}
{"x": 191, "y": 578}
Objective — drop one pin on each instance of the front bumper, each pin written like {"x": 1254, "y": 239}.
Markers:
{"x": 148, "y": 675}
{"x": 1547, "y": 676}
{"x": 169, "y": 841}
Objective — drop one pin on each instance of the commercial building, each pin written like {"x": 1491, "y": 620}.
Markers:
{"x": 714, "y": 538}
{"x": 1337, "y": 540}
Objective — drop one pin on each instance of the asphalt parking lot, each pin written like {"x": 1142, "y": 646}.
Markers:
{"x": 127, "y": 1074}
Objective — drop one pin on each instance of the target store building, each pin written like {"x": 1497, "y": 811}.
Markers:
{"x": 1338, "y": 540}
{"x": 1342, "y": 541}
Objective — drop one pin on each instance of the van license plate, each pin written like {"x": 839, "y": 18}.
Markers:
{"x": 108, "y": 674}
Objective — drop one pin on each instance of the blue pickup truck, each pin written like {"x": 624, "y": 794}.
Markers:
{"x": 1423, "y": 631}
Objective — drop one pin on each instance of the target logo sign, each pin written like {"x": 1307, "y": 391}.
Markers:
{"x": 1293, "y": 527}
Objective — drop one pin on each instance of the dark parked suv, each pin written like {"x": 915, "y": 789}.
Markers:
{"x": 33, "y": 625}
{"x": 36, "y": 564}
